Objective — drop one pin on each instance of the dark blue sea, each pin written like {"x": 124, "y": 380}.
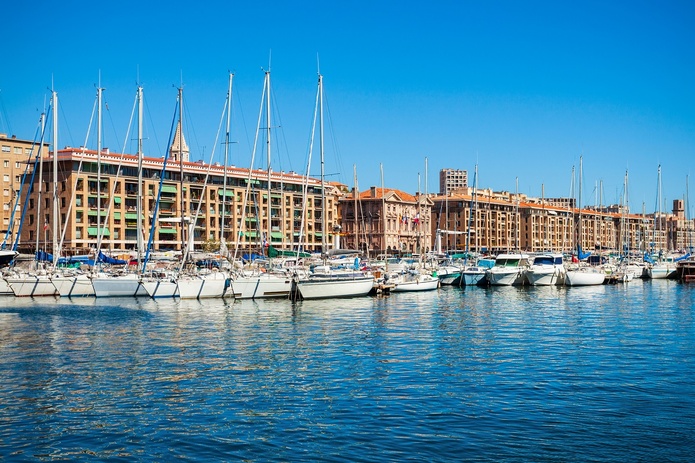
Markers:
{"x": 590, "y": 374}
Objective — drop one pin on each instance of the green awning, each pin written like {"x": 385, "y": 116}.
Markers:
{"x": 253, "y": 181}
{"x": 221, "y": 191}
{"x": 117, "y": 199}
{"x": 94, "y": 213}
{"x": 92, "y": 231}
{"x": 251, "y": 234}
{"x": 117, "y": 215}
{"x": 251, "y": 219}
{"x": 277, "y": 235}
{"x": 132, "y": 216}
{"x": 169, "y": 189}
{"x": 167, "y": 231}
{"x": 318, "y": 234}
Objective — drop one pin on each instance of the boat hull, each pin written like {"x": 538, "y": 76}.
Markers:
{"x": 420, "y": 284}
{"x": 161, "y": 288}
{"x": 73, "y": 285}
{"x": 32, "y": 286}
{"x": 545, "y": 276}
{"x": 584, "y": 277}
{"x": 327, "y": 287}
{"x": 118, "y": 286}
{"x": 505, "y": 278}
{"x": 206, "y": 287}
{"x": 263, "y": 285}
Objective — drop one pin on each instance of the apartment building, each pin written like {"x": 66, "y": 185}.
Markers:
{"x": 15, "y": 155}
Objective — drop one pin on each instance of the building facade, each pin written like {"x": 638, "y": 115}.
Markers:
{"x": 15, "y": 155}
{"x": 256, "y": 208}
{"x": 386, "y": 221}
{"x": 451, "y": 180}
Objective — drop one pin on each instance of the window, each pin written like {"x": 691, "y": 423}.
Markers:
{"x": 17, "y": 150}
{"x": 6, "y": 149}
{"x": 6, "y": 163}
{"x": 27, "y": 151}
{"x": 6, "y": 178}
{"x": 6, "y": 192}
{"x": 16, "y": 165}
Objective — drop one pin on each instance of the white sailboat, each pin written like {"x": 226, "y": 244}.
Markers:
{"x": 72, "y": 282}
{"x": 37, "y": 281}
{"x": 582, "y": 274}
{"x": 329, "y": 283}
{"x": 253, "y": 283}
{"x": 663, "y": 266}
{"x": 124, "y": 283}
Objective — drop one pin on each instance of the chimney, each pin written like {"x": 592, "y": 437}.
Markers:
{"x": 372, "y": 191}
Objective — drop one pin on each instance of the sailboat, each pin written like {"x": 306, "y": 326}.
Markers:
{"x": 663, "y": 266}
{"x": 547, "y": 268}
{"x": 325, "y": 282}
{"x": 257, "y": 283}
{"x": 161, "y": 283}
{"x": 473, "y": 275}
{"x": 192, "y": 282}
{"x": 72, "y": 282}
{"x": 37, "y": 282}
{"x": 582, "y": 274}
{"x": 123, "y": 283}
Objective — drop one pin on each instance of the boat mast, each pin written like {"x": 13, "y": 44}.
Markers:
{"x": 226, "y": 158}
{"x": 56, "y": 210}
{"x": 323, "y": 186}
{"x": 138, "y": 200}
{"x": 99, "y": 127}
{"x": 182, "y": 202}
{"x": 268, "y": 152}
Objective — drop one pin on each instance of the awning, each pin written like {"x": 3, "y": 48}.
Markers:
{"x": 167, "y": 231}
{"x": 169, "y": 189}
{"x": 101, "y": 213}
{"x": 117, "y": 199}
{"x": 221, "y": 191}
{"x": 92, "y": 231}
{"x": 117, "y": 215}
{"x": 276, "y": 235}
{"x": 251, "y": 234}
{"x": 133, "y": 216}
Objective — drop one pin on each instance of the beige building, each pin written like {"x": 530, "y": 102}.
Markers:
{"x": 386, "y": 221}
{"x": 256, "y": 208}
{"x": 14, "y": 156}
{"x": 502, "y": 221}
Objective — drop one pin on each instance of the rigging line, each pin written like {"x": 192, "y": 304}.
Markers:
{"x": 156, "y": 140}
{"x": 334, "y": 140}
{"x": 243, "y": 118}
{"x": 191, "y": 236}
{"x": 3, "y": 113}
{"x": 100, "y": 233}
{"x": 153, "y": 226}
{"x": 190, "y": 128}
{"x": 276, "y": 115}
{"x": 113, "y": 126}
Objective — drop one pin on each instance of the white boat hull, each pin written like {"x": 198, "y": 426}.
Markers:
{"x": 424, "y": 283}
{"x": 505, "y": 277}
{"x": 161, "y": 288}
{"x": 32, "y": 286}
{"x": 202, "y": 287}
{"x": 5, "y": 288}
{"x": 118, "y": 286}
{"x": 262, "y": 285}
{"x": 545, "y": 276}
{"x": 329, "y": 287}
{"x": 73, "y": 285}
{"x": 584, "y": 277}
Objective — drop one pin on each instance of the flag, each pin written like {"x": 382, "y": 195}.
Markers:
{"x": 45, "y": 226}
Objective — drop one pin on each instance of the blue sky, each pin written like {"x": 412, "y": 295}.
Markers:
{"x": 523, "y": 89}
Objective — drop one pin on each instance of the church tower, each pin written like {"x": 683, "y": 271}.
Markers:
{"x": 179, "y": 149}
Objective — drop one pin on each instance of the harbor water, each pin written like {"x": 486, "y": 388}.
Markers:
{"x": 504, "y": 374}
